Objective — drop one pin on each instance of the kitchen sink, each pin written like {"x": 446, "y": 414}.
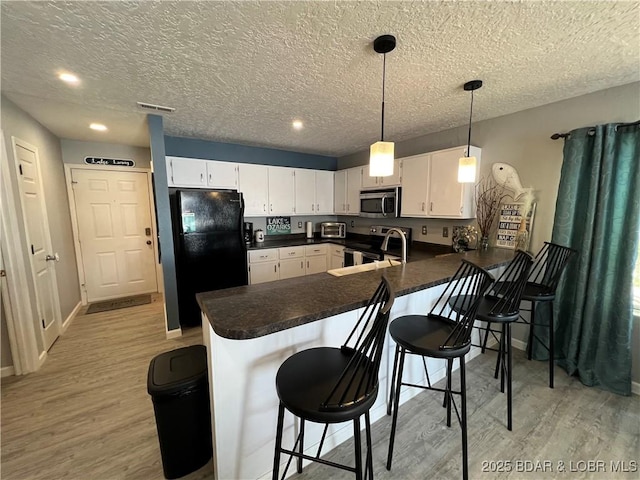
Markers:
{"x": 365, "y": 267}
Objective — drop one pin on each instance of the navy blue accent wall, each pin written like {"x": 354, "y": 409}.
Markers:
{"x": 161, "y": 193}
{"x": 231, "y": 152}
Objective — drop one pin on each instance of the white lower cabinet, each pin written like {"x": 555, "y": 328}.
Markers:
{"x": 287, "y": 262}
{"x": 316, "y": 258}
{"x": 292, "y": 262}
{"x": 336, "y": 256}
{"x": 263, "y": 265}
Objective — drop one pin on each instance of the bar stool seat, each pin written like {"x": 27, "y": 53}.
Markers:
{"x": 426, "y": 337}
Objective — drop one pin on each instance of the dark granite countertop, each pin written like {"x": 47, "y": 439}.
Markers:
{"x": 253, "y": 311}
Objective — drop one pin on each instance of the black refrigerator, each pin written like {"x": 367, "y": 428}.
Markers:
{"x": 209, "y": 245}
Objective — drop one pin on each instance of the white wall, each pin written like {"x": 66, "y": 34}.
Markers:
{"x": 74, "y": 151}
{"x": 522, "y": 140}
{"x": 16, "y": 122}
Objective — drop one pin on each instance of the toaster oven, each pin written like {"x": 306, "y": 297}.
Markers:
{"x": 333, "y": 230}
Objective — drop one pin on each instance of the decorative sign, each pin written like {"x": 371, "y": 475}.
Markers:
{"x": 278, "y": 225}
{"x": 509, "y": 223}
{"x": 115, "y": 162}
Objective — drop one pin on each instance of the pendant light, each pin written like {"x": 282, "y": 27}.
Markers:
{"x": 382, "y": 153}
{"x": 468, "y": 165}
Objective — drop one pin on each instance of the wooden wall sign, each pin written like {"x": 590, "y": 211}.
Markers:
{"x": 114, "y": 162}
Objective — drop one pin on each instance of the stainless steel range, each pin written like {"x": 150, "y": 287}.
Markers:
{"x": 370, "y": 251}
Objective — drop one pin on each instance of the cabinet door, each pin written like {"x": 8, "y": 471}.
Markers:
{"x": 186, "y": 172}
{"x": 340, "y": 192}
{"x": 316, "y": 264}
{"x": 445, "y": 193}
{"x": 354, "y": 185}
{"x": 367, "y": 180}
{"x": 337, "y": 261}
{"x": 392, "y": 180}
{"x": 415, "y": 178}
{"x": 253, "y": 182}
{"x": 324, "y": 192}
{"x": 293, "y": 267}
{"x": 222, "y": 175}
{"x": 305, "y": 189}
{"x": 281, "y": 191}
{"x": 263, "y": 272}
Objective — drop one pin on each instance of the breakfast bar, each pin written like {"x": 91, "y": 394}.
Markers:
{"x": 250, "y": 330}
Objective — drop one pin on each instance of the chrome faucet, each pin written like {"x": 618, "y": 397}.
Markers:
{"x": 403, "y": 237}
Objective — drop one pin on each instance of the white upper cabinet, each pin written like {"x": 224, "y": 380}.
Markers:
{"x": 340, "y": 192}
{"x": 354, "y": 185}
{"x": 253, "y": 182}
{"x": 305, "y": 191}
{"x": 324, "y": 192}
{"x": 186, "y": 172}
{"x": 430, "y": 185}
{"x": 415, "y": 186}
{"x": 447, "y": 197}
{"x": 281, "y": 191}
{"x": 222, "y": 174}
{"x": 382, "y": 182}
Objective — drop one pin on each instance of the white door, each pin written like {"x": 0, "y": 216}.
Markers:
{"x": 324, "y": 192}
{"x": 445, "y": 192}
{"x": 354, "y": 184}
{"x": 415, "y": 178}
{"x": 305, "y": 191}
{"x": 38, "y": 240}
{"x": 115, "y": 235}
{"x": 281, "y": 191}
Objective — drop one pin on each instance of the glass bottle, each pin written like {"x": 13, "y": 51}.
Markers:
{"x": 522, "y": 237}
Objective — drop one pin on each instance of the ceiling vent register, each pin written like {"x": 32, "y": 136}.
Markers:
{"x": 156, "y": 108}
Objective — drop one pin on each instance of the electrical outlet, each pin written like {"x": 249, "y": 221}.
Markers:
{"x": 424, "y": 229}
{"x": 353, "y": 223}
{"x": 445, "y": 231}
{"x": 299, "y": 224}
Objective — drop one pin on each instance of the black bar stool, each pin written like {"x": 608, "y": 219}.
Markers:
{"x": 501, "y": 304}
{"x": 443, "y": 333}
{"x": 545, "y": 275}
{"x": 334, "y": 385}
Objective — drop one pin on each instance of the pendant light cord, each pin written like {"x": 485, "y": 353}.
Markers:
{"x": 384, "y": 67}
{"x": 469, "y": 137}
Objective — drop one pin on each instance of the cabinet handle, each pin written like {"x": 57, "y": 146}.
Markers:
{"x": 210, "y": 178}
{"x": 264, "y": 207}
{"x": 347, "y": 207}
{"x": 271, "y": 206}
{"x": 317, "y": 207}
{"x": 307, "y": 263}
{"x": 431, "y": 207}
{"x": 301, "y": 264}
{"x": 343, "y": 209}
{"x": 202, "y": 178}
{"x": 312, "y": 207}
{"x": 423, "y": 206}
{"x": 275, "y": 268}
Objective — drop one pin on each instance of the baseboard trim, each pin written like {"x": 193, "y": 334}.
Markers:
{"x": 519, "y": 344}
{"x": 635, "y": 388}
{"x": 7, "y": 371}
{"x": 175, "y": 333}
{"x": 41, "y": 359}
{"x": 71, "y": 317}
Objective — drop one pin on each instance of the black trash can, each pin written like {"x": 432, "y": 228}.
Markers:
{"x": 179, "y": 388}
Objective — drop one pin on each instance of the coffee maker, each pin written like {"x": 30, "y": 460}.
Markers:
{"x": 248, "y": 232}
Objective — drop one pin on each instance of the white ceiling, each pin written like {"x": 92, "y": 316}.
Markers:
{"x": 240, "y": 72}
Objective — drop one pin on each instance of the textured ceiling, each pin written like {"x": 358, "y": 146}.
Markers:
{"x": 242, "y": 71}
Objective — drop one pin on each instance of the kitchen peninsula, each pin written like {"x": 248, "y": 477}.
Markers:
{"x": 250, "y": 330}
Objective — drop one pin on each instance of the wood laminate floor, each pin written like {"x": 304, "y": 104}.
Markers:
{"x": 87, "y": 415}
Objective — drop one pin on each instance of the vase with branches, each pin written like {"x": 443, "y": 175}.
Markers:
{"x": 489, "y": 196}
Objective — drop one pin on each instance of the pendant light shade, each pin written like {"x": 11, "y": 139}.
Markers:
{"x": 468, "y": 165}
{"x": 381, "y": 157}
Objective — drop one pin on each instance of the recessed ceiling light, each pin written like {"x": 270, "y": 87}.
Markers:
{"x": 69, "y": 78}
{"x": 98, "y": 126}
{"x": 297, "y": 124}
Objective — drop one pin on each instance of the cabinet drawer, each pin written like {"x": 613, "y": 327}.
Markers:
{"x": 310, "y": 250}
{"x": 291, "y": 252}
{"x": 268, "y": 255}
{"x": 336, "y": 250}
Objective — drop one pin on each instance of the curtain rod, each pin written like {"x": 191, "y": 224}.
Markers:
{"x": 556, "y": 136}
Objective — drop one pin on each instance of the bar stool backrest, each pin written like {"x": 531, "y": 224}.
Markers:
{"x": 549, "y": 265}
{"x": 507, "y": 290}
{"x": 359, "y": 380}
{"x": 470, "y": 282}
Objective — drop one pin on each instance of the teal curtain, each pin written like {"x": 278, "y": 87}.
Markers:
{"x": 598, "y": 213}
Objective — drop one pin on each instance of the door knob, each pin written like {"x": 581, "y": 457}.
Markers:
{"x": 148, "y": 242}
{"x": 54, "y": 257}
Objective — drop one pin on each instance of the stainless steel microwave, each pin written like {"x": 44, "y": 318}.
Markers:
{"x": 333, "y": 230}
{"x": 384, "y": 203}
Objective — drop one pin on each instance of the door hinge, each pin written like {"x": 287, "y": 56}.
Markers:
{"x": 20, "y": 168}
{"x": 33, "y": 251}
